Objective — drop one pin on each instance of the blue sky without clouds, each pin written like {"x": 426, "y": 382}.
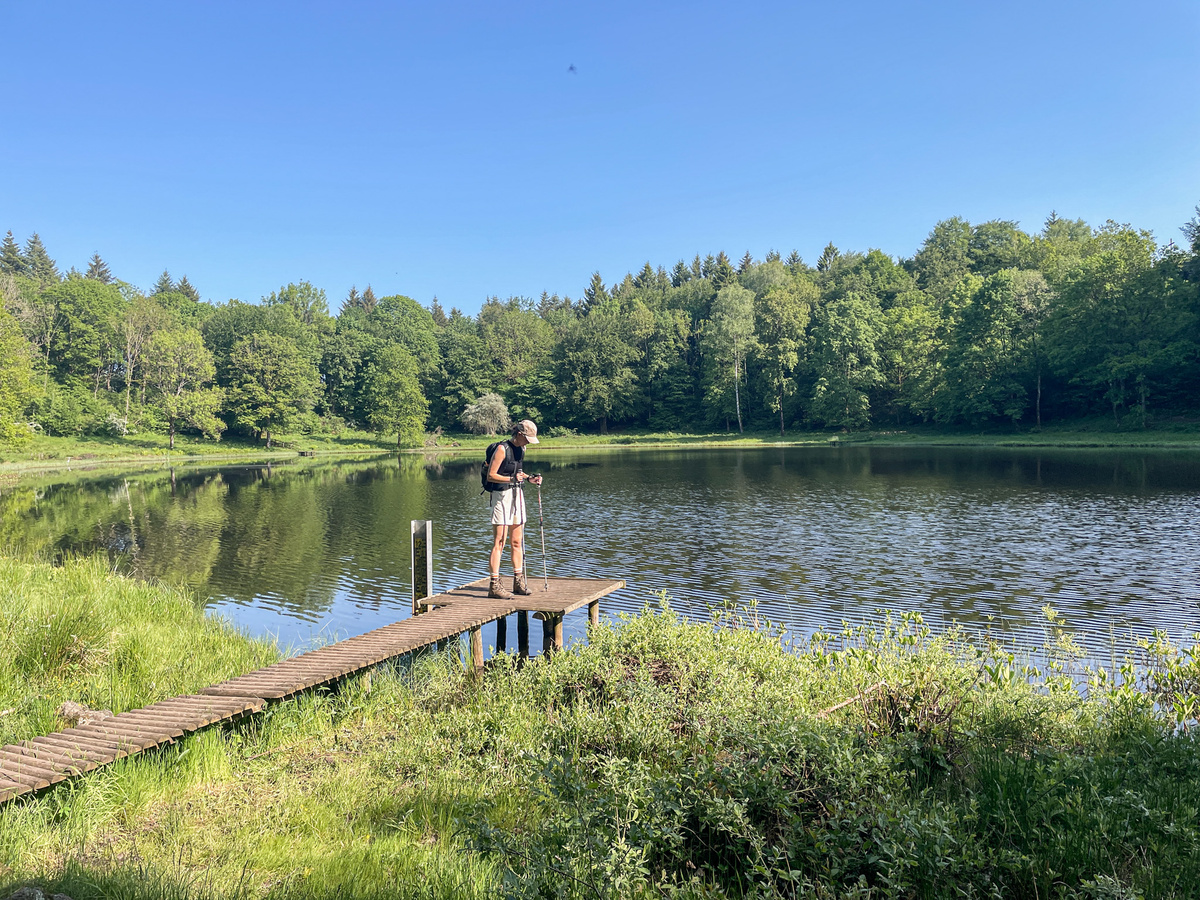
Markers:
{"x": 446, "y": 150}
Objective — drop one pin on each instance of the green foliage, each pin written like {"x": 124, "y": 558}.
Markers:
{"x": 179, "y": 368}
{"x": 487, "y": 415}
{"x": 665, "y": 758}
{"x": 986, "y": 326}
{"x": 393, "y": 397}
{"x": 274, "y": 382}
{"x": 17, "y": 383}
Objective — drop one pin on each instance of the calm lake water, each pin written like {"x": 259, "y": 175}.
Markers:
{"x": 815, "y": 535}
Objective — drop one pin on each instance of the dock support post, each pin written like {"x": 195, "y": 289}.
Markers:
{"x": 502, "y": 634}
{"x": 422, "y": 561}
{"x": 477, "y": 649}
{"x": 523, "y": 633}
{"x": 552, "y": 633}
{"x": 594, "y": 612}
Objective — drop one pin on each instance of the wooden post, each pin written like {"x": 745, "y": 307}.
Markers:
{"x": 594, "y": 612}
{"x": 422, "y": 561}
{"x": 552, "y": 633}
{"x": 523, "y": 633}
{"x": 477, "y": 649}
{"x": 502, "y": 634}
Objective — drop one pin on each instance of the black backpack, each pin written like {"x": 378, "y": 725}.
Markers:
{"x": 487, "y": 464}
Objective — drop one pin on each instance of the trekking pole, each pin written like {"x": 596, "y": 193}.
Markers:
{"x": 542, "y": 529}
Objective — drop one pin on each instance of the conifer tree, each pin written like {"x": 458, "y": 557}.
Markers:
{"x": 369, "y": 300}
{"x": 773, "y": 256}
{"x": 745, "y": 264}
{"x": 697, "y": 267}
{"x": 595, "y": 293}
{"x": 439, "y": 314}
{"x": 723, "y": 272}
{"x": 98, "y": 270}
{"x": 680, "y": 274}
{"x": 11, "y": 260}
{"x": 38, "y": 262}
{"x": 645, "y": 278}
{"x": 828, "y": 257}
{"x": 794, "y": 263}
{"x": 164, "y": 285}
{"x": 353, "y": 299}
{"x": 186, "y": 288}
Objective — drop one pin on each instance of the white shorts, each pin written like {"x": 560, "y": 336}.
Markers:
{"x": 508, "y": 507}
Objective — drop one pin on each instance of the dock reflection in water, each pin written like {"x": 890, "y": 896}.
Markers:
{"x": 814, "y": 535}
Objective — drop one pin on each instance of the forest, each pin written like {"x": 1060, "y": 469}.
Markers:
{"x": 985, "y": 326}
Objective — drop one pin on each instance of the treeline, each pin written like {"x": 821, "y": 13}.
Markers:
{"x": 986, "y": 324}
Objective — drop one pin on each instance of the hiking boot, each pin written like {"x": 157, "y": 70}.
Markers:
{"x": 520, "y": 584}
{"x": 496, "y": 590}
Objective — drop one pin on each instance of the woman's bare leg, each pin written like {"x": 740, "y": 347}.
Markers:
{"x": 499, "y": 534}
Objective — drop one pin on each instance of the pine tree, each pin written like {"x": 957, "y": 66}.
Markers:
{"x": 369, "y": 300}
{"x": 164, "y": 285}
{"x": 745, "y": 264}
{"x": 828, "y": 257}
{"x": 439, "y": 314}
{"x": 645, "y": 278}
{"x": 794, "y": 263}
{"x": 185, "y": 287}
{"x": 595, "y": 293}
{"x": 697, "y": 267}
{"x": 98, "y": 270}
{"x": 722, "y": 273}
{"x": 39, "y": 263}
{"x": 353, "y": 299}
{"x": 773, "y": 256}
{"x": 11, "y": 260}
{"x": 680, "y": 274}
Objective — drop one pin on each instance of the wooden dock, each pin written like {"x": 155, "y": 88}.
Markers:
{"x": 38, "y": 763}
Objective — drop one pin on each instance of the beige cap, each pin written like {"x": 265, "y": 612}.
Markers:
{"x": 527, "y": 428}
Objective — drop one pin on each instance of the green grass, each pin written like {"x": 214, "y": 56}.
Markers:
{"x": 83, "y": 634}
{"x": 59, "y": 452}
{"x": 664, "y": 759}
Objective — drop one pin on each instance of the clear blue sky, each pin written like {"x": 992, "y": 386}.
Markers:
{"x": 446, "y": 149}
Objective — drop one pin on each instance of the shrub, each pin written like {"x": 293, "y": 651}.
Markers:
{"x": 487, "y": 415}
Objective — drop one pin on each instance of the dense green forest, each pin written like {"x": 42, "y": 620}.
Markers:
{"x": 985, "y": 325}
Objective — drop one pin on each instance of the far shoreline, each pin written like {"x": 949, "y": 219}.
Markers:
{"x": 47, "y": 455}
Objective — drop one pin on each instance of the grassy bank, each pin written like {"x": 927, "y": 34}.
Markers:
{"x": 665, "y": 759}
{"x": 82, "y": 634}
{"x": 58, "y": 452}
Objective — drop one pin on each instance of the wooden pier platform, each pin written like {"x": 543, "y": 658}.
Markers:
{"x": 38, "y": 763}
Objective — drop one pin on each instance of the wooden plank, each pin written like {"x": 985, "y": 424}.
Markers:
{"x": 54, "y": 757}
{"x": 18, "y": 762}
{"x": 36, "y": 777}
{"x": 133, "y": 740}
{"x": 93, "y": 756}
{"x": 114, "y": 750}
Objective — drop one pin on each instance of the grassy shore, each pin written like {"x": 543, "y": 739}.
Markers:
{"x": 51, "y": 453}
{"x": 664, "y": 759}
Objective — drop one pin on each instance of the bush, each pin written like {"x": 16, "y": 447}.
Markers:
{"x": 73, "y": 411}
{"x": 487, "y": 415}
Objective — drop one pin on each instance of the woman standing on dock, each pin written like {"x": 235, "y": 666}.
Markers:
{"x": 505, "y": 475}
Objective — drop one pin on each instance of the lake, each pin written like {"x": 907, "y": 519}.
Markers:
{"x": 317, "y": 550}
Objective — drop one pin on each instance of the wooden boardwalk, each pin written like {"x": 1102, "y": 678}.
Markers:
{"x": 38, "y": 763}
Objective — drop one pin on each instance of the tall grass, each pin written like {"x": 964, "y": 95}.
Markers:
{"x": 80, "y": 633}
{"x": 665, "y": 759}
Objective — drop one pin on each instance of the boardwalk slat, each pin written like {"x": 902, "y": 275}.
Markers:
{"x": 35, "y": 776}
{"x": 57, "y": 759}
{"x": 129, "y": 740}
{"x": 114, "y": 749}
{"x": 95, "y": 757}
